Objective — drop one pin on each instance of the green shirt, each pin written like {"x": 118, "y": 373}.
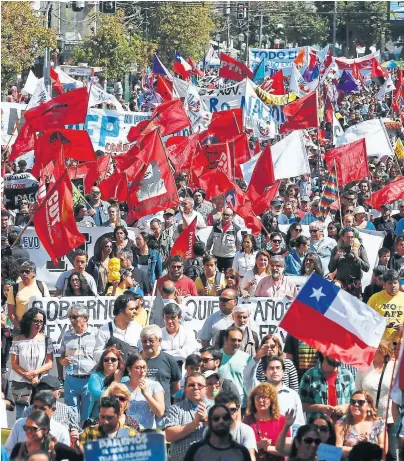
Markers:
{"x": 232, "y": 367}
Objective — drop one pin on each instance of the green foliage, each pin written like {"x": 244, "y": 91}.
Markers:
{"x": 112, "y": 47}
{"x": 23, "y": 38}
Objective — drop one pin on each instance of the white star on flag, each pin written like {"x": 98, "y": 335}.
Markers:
{"x": 317, "y": 293}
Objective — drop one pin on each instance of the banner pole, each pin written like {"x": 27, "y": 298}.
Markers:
{"x": 339, "y": 201}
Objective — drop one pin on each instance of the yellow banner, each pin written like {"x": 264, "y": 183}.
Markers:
{"x": 399, "y": 149}
{"x": 275, "y": 99}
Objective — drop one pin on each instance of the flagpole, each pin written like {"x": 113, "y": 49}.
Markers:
{"x": 339, "y": 201}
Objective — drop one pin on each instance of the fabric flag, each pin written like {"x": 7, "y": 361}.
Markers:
{"x": 211, "y": 57}
{"x": 184, "y": 244}
{"x": 378, "y": 74}
{"x": 170, "y": 117}
{"x": 334, "y": 322}
{"x": 300, "y": 58}
{"x": 337, "y": 131}
{"x": 41, "y": 194}
{"x": 397, "y": 389}
{"x": 54, "y": 221}
{"x": 329, "y": 196}
{"x": 312, "y": 70}
{"x": 301, "y": 114}
{"x": 328, "y": 110}
{"x": 298, "y": 84}
{"x": 399, "y": 149}
{"x": 195, "y": 68}
{"x": 259, "y": 73}
{"x": 388, "y": 87}
{"x": 232, "y": 69}
{"x": 154, "y": 187}
{"x": 241, "y": 204}
{"x": 214, "y": 183}
{"x": 262, "y": 204}
{"x": 263, "y": 175}
{"x": 114, "y": 186}
{"x": 160, "y": 68}
{"x": 88, "y": 172}
{"x": 219, "y": 158}
{"x": 100, "y": 96}
{"x": 357, "y": 75}
{"x": 182, "y": 153}
{"x": 389, "y": 194}
{"x": 196, "y": 109}
{"x": 347, "y": 83}
{"x": 181, "y": 66}
{"x": 274, "y": 84}
{"x": 164, "y": 87}
{"x": 350, "y": 161}
{"x": 240, "y": 151}
{"x": 31, "y": 83}
{"x": 25, "y": 142}
{"x": 39, "y": 96}
{"x": 67, "y": 109}
{"x": 225, "y": 124}
{"x": 56, "y": 83}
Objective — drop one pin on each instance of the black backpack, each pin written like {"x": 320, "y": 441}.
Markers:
{"x": 124, "y": 347}
{"x": 194, "y": 268}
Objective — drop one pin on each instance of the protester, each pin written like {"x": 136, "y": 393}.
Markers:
{"x": 77, "y": 286}
{"x": 18, "y": 252}
{"x": 142, "y": 280}
{"x": 99, "y": 208}
{"x": 376, "y": 284}
{"x": 175, "y": 267}
{"x": 98, "y": 265}
{"x": 384, "y": 256}
{"x": 312, "y": 264}
{"x": 386, "y": 223}
{"x": 187, "y": 214}
{"x": 211, "y": 281}
{"x": 244, "y": 260}
{"x": 163, "y": 240}
{"x": 122, "y": 241}
{"x": 294, "y": 260}
{"x": 201, "y": 205}
{"x": 277, "y": 284}
{"x": 305, "y": 443}
{"x": 114, "y": 218}
{"x": 397, "y": 260}
{"x": 81, "y": 216}
{"x": 121, "y": 392}
{"x": 294, "y": 231}
{"x": 320, "y": 244}
{"x": 146, "y": 259}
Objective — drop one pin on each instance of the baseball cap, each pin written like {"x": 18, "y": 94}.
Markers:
{"x": 359, "y": 209}
{"x": 169, "y": 211}
{"x": 276, "y": 203}
{"x": 50, "y": 382}
{"x": 305, "y": 199}
{"x": 388, "y": 207}
{"x": 207, "y": 374}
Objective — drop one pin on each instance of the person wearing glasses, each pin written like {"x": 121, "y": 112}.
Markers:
{"x": 276, "y": 245}
{"x": 31, "y": 356}
{"x": 45, "y": 402}
{"x": 224, "y": 240}
{"x": 98, "y": 265}
{"x": 126, "y": 282}
{"x": 77, "y": 286}
{"x": 99, "y": 208}
{"x": 265, "y": 419}
{"x": 294, "y": 231}
{"x": 320, "y": 244}
{"x": 310, "y": 217}
{"x": 161, "y": 367}
{"x": 305, "y": 444}
{"x": 232, "y": 280}
{"x": 77, "y": 357}
{"x": 146, "y": 401}
{"x": 312, "y": 263}
{"x": 400, "y": 215}
{"x": 218, "y": 442}
{"x": 276, "y": 285}
{"x": 175, "y": 272}
{"x": 186, "y": 420}
{"x": 121, "y": 392}
{"x": 294, "y": 260}
{"x": 20, "y": 293}
{"x": 360, "y": 423}
{"x": 110, "y": 368}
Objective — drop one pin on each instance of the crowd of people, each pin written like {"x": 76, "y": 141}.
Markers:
{"x": 228, "y": 390}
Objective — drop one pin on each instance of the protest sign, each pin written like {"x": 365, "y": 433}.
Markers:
{"x": 19, "y": 186}
{"x": 328, "y": 452}
{"x": 266, "y": 312}
{"x": 148, "y": 446}
{"x": 275, "y": 59}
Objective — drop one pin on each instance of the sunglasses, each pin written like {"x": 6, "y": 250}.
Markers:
{"x": 310, "y": 440}
{"x": 31, "y": 428}
{"x": 176, "y": 267}
{"x": 230, "y": 277}
{"x": 298, "y": 230}
{"x": 195, "y": 386}
{"x": 360, "y": 402}
{"x": 277, "y": 241}
{"x": 121, "y": 398}
{"x": 95, "y": 192}
{"x": 313, "y": 231}
{"x": 227, "y": 215}
{"x": 37, "y": 321}
{"x": 110, "y": 359}
{"x": 24, "y": 271}
{"x": 206, "y": 360}
{"x": 148, "y": 341}
{"x": 323, "y": 428}
{"x": 74, "y": 317}
{"x": 233, "y": 410}
{"x": 75, "y": 280}
{"x": 308, "y": 260}
{"x": 225, "y": 300}
{"x": 217, "y": 418}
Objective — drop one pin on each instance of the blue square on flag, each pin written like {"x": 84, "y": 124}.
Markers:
{"x": 318, "y": 293}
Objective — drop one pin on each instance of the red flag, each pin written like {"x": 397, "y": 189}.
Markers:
{"x": 54, "y": 221}
{"x": 350, "y": 160}
{"x": 240, "y": 152}
{"x": 225, "y": 124}
{"x": 214, "y": 183}
{"x": 301, "y": 114}
{"x": 164, "y": 88}
{"x": 239, "y": 202}
{"x": 263, "y": 175}
{"x": 56, "y": 83}
{"x": 169, "y": 116}
{"x": 25, "y": 142}
{"x": 257, "y": 148}
{"x": 274, "y": 84}
{"x": 114, "y": 186}
{"x": 87, "y": 171}
{"x": 67, "y": 109}
{"x": 182, "y": 153}
{"x": 233, "y": 69}
{"x": 390, "y": 193}
{"x": 357, "y": 75}
{"x": 184, "y": 245}
{"x": 154, "y": 188}
{"x": 328, "y": 110}
{"x": 174, "y": 140}
{"x": 74, "y": 144}
{"x": 195, "y": 69}
{"x": 262, "y": 204}
{"x": 378, "y": 74}
{"x": 219, "y": 158}
{"x": 300, "y": 58}
{"x": 103, "y": 164}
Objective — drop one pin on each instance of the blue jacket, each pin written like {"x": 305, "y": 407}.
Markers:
{"x": 155, "y": 263}
{"x": 293, "y": 263}
{"x": 96, "y": 389}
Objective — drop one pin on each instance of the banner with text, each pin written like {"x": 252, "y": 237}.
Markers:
{"x": 276, "y": 59}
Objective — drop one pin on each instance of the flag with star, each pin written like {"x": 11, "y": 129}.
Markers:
{"x": 334, "y": 322}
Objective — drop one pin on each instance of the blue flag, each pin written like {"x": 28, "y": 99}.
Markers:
{"x": 259, "y": 73}
{"x": 347, "y": 83}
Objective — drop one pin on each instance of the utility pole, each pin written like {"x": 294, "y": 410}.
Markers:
{"x": 260, "y": 33}
{"x": 46, "y": 61}
{"x": 334, "y": 29}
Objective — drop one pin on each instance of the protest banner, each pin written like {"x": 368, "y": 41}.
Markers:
{"x": 266, "y": 312}
{"x": 327, "y": 452}
{"x": 148, "y": 446}
{"x": 275, "y": 59}
{"x": 19, "y": 186}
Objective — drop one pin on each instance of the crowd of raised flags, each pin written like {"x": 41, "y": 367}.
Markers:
{"x": 335, "y": 134}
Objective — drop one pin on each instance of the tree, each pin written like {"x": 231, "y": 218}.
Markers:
{"x": 113, "y": 47}
{"x": 23, "y": 38}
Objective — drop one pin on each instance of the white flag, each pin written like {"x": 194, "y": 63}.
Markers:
{"x": 388, "y": 87}
{"x": 99, "y": 96}
{"x": 337, "y": 131}
{"x": 40, "y": 95}
{"x": 31, "y": 83}
{"x": 196, "y": 109}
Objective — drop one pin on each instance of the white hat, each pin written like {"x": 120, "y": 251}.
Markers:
{"x": 359, "y": 209}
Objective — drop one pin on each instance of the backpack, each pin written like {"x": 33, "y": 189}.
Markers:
{"x": 125, "y": 348}
{"x": 39, "y": 284}
{"x": 194, "y": 268}
{"x": 218, "y": 278}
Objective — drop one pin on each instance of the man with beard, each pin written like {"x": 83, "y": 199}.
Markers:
{"x": 185, "y": 286}
{"x": 277, "y": 285}
{"x": 218, "y": 443}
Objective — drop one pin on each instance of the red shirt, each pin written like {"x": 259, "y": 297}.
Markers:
{"x": 185, "y": 286}
{"x": 332, "y": 390}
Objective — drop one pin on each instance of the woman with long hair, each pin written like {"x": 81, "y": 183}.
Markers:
{"x": 294, "y": 231}
{"x": 146, "y": 259}
{"x": 312, "y": 263}
{"x": 36, "y": 428}
{"x": 244, "y": 260}
{"x": 146, "y": 396}
{"x": 271, "y": 225}
{"x": 325, "y": 427}
{"x": 98, "y": 265}
{"x": 264, "y": 417}
{"x": 294, "y": 260}
{"x": 77, "y": 285}
{"x": 122, "y": 240}
{"x": 114, "y": 216}
{"x": 360, "y": 423}
{"x": 260, "y": 270}
{"x": 305, "y": 443}
{"x": 271, "y": 346}
{"x": 122, "y": 394}
{"x": 31, "y": 356}
{"x": 110, "y": 368}
{"x": 232, "y": 280}
{"x": 333, "y": 230}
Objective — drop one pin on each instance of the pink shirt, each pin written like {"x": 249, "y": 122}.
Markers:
{"x": 268, "y": 288}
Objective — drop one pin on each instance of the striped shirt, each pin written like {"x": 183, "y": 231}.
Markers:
{"x": 290, "y": 378}
{"x": 80, "y": 350}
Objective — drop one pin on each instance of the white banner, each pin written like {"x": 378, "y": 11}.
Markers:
{"x": 267, "y": 313}
{"x": 275, "y": 59}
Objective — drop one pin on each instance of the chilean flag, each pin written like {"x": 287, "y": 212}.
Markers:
{"x": 181, "y": 66}
{"x": 334, "y": 322}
